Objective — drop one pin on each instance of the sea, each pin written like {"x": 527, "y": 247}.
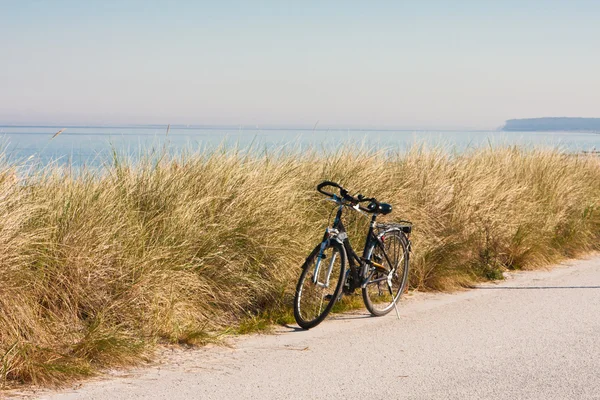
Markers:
{"x": 95, "y": 145}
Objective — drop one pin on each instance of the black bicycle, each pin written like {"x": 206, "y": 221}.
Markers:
{"x": 381, "y": 272}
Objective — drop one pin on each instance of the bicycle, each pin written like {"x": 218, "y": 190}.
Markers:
{"x": 381, "y": 272}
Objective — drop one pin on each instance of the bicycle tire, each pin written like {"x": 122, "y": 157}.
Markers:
{"x": 308, "y": 294}
{"x": 378, "y": 295}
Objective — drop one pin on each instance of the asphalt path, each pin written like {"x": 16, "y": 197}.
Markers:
{"x": 535, "y": 335}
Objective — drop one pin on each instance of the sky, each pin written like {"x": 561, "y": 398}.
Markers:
{"x": 388, "y": 64}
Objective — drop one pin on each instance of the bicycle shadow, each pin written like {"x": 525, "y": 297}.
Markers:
{"x": 342, "y": 317}
{"x": 331, "y": 317}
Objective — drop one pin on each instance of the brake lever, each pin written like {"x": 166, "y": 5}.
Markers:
{"x": 357, "y": 208}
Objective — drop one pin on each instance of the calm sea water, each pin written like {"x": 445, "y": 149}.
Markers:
{"x": 91, "y": 145}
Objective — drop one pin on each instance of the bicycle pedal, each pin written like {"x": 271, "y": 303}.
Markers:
{"x": 330, "y": 296}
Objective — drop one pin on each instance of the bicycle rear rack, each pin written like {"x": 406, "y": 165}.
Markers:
{"x": 404, "y": 226}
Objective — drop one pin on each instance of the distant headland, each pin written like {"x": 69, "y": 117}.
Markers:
{"x": 553, "y": 124}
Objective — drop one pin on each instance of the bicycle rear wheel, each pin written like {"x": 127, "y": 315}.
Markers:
{"x": 315, "y": 297}
{"x": 385, "y": 285}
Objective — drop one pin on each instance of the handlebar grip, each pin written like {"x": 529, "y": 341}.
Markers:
{"x": 346, "y": 196}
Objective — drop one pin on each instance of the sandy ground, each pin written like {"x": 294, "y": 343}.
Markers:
{"x": 535, "y": 335}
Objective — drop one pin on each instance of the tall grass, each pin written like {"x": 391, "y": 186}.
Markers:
{"x": 96, "y": 268}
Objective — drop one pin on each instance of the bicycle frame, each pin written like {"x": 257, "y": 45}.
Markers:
{"x": 337, "y": 232}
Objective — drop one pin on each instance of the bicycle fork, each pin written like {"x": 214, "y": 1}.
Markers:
{"x": 330, "y": 234}
{"x": 320, "y": 257}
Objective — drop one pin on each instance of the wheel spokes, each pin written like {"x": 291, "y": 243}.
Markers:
{"x": 385, "y": 287}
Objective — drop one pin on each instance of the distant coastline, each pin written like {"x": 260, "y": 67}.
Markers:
{"x": 553, "y": 124}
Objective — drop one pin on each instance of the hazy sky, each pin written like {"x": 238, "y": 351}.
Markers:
{"x": 426, "y": 63}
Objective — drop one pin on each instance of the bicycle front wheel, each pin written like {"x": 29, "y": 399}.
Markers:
{"x": 320, "y": 284}
{"x": 387, "y": 281}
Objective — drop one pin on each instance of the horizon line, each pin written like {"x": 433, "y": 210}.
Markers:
{"x": 300, "y": 127}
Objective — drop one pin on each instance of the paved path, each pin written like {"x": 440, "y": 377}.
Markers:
{"x": 534, "y": 336}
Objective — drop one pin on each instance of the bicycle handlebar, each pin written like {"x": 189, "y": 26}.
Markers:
{"x": 373, "y": 203}
{"x": 323, "y": 184}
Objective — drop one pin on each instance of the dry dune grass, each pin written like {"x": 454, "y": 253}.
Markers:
{"x": 95, "y": 269}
